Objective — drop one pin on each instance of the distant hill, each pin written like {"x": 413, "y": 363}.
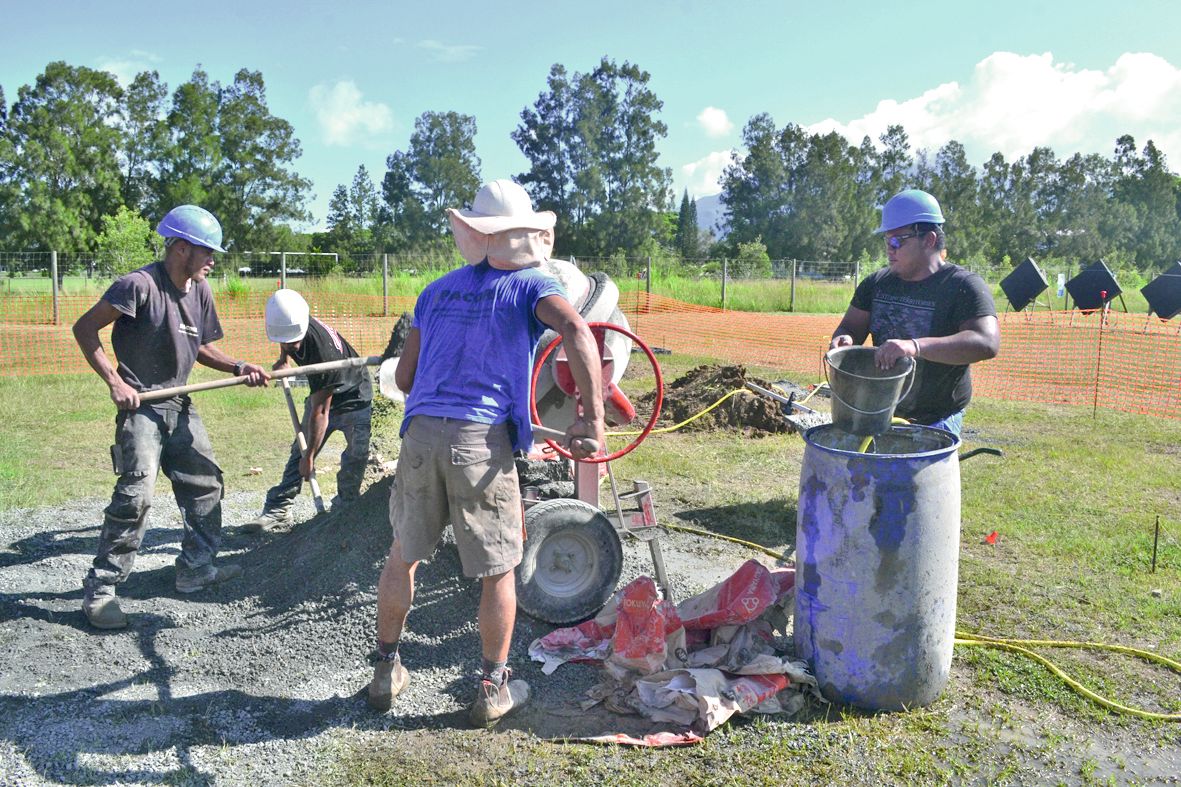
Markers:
{"x": 710, "y": 211}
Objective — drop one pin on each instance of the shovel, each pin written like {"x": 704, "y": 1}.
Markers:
{"x": 303, "y": 445}
{"x": 227, "y": 382}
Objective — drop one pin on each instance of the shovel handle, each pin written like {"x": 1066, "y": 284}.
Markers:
{"x": 302, "y": 440}
{"x": 227, "y": 382}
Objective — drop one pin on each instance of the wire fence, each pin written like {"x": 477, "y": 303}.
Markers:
{"x": 1105, "y": 359}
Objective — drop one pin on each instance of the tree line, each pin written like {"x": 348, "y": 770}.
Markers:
{"x": 83, "y": 160}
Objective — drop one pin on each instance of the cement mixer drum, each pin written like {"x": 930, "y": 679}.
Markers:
{"x": 596, "y": 298}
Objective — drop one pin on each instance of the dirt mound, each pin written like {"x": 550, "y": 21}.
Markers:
{"x": 745, "y": 411}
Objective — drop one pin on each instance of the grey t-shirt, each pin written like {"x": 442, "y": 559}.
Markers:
{"x": 157, "y": 338}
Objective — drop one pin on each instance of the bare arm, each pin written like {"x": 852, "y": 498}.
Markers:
{"x": 320, "y": 405}
{"x": 408, "y": 362}
{"x": 976, "y": 340}
{"x": 209, "y": 355}
{"x": 853, "y": 330}
{"x": 86, "y": 331}
{"x": 583, "y": 353}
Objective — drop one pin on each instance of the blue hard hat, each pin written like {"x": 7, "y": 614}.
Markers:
{"x": 913, "y": 206}
{"x": 194, "y": 224}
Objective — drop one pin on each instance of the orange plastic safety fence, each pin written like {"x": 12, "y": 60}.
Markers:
{"x": 1125, "y": 362}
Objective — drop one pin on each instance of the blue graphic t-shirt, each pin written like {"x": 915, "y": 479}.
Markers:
{"x": 479, "y": 329}
{"x": 935, "y": 306}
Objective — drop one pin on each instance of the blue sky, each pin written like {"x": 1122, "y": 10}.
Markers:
{"x": 352, "y": 77}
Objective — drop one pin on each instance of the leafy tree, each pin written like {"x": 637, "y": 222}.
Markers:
{"x": 60, "y": 160}
{"x": 255, "y": 188}
{"x": 439, "y": 170}
{"x": 591, "y": 143}
{"x": 229, "y": 154}
{"x": 145, "y": 139}
{"x": 688, "y": 235}
{"x": 752, "y": 260}
{"x": 127, "y": 241}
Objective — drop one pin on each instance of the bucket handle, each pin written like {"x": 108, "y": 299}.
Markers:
{"x": 910, "y": 383}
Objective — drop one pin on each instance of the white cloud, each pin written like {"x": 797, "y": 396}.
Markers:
{"x": 344, "y": 117}
{"x": 702, "y": 177}
{"x": 1012, "y": 103}
{"x": 448, "y": 53}
{"x": 715, "y": 122}
{"x": 126, "y": 68}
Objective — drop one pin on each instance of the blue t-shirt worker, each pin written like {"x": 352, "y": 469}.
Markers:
{"x": 465, "y": 367}
{"x": 165, "y": 321}
{"x": 921, "y": 307}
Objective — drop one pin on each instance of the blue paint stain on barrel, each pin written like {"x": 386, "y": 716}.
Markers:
{"x": 877, "y": 555}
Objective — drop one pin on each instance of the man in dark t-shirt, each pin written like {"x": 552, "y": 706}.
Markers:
{"x": 164, "y": 321}
{"x": 339, "y": 401}
{"x": 921, "y": 307}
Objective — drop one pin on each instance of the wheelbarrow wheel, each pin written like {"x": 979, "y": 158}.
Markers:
{"x": 571, "y": 562}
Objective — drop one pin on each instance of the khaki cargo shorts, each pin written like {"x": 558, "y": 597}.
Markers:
{"x": 457, "y": 472}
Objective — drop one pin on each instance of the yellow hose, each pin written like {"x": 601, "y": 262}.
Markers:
{"x": 1017, "y": 646}
{"x": 731, "y": 539}
{"x": 686, "y": 422}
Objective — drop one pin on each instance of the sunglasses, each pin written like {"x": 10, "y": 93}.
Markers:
{"x": 895, "y": 243}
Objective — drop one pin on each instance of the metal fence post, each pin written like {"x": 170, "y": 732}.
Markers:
{"x": 725, "y": 275}
{"x": 648, "y": 276}
{"x": 53, "y": 286}
{"x": 283, "y": 270}
{"x": 856, "y": 273}
{"x": 385, "y": 285}
{"x": 791, "y": 303}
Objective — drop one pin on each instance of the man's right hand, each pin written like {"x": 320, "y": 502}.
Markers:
{"x": 124, "y": 396}
{"x": 842, "y": 340}
{"x": 581, "y": 428}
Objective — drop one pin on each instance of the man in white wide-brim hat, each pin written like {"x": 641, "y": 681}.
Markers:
{"x": 465, "y": 368}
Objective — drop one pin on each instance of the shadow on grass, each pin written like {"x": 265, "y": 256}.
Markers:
{"x": 770, "y": 523}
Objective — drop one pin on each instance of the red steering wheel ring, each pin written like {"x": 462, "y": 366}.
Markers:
{"x": 545, "y": 354}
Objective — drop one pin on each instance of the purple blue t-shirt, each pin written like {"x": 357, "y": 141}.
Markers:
{"x": 478, "y": 328}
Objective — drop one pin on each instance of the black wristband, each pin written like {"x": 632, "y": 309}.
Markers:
{"x": 238, "y": 367}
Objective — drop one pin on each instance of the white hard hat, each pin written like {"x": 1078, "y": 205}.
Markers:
{"x": 287, "y": 316}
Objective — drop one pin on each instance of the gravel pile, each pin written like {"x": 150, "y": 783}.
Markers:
{"x": 255, "y": 681}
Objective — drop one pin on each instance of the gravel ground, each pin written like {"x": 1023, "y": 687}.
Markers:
{"x": 255, "y": 681}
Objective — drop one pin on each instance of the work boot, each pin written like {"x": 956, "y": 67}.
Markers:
{"x": 104, "y": 613}
{"x": 193, "y": 580}
{"x": 270, "y": 522}
{"x": 494, "y": 702}
{"x": 389, "y": 678}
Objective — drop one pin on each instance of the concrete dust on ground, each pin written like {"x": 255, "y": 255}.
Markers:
{"x": 256, "y": 680}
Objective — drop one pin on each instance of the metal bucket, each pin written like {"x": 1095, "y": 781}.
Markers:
{"x": 864, "y": 396}
{"x": 877, "y": 557}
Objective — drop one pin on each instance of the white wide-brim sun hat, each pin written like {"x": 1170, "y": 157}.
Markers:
{"x": 502, "y": 227}
{"x": 503, "y": 205}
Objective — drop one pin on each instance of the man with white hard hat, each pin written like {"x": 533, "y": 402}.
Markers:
{"x": 165, "y": 321}
{"x": 339, "y": 401}
{"x": 466, "y": 369}
{"x": 921, "y": 307}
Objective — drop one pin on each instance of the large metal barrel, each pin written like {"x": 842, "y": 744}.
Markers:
{"x": 877, "y": 558}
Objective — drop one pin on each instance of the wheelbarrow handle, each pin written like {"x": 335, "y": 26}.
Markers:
{"x": 585, "y": 443}
{"x": 227, "y": 382}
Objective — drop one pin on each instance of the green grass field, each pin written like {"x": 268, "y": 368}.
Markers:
{"x": 1073, "y": 501}
{"x": 756, "y": 295}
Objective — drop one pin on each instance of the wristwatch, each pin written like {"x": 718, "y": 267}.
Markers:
{"x": 238, "y": 367}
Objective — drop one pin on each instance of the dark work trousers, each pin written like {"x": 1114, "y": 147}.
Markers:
{"x": 356, "y": 426}
{"x": 147, "y": 440}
